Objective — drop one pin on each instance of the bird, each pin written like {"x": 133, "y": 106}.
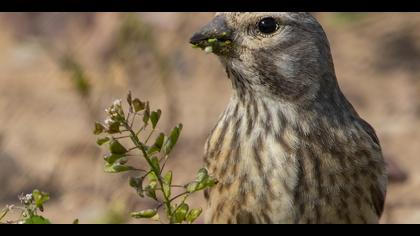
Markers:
{"x": 289, "y": 148}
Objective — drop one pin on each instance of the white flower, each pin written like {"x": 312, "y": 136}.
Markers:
{"x": 117, "y": 103}
{"x": 108, "y": 122}
{"x": 28, "y": 196}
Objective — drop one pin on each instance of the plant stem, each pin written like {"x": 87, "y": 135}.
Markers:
{"x": 141, "y": 129}
{"x": 128, "y": 117}
{"x": 177, "y": 196}
{"x": 132, "y": 120}
{"x": 164, "y": 163}
{"x": 150, "y": 135}
{"x": 131, "y": 149}
{"x": 137, "y": 142}
{"x": 141, "y": 170}
{"x": 177, "y": 186}
{"x": 173, "y": 186}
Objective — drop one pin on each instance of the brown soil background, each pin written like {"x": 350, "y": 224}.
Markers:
{"x": 45, "y": 125}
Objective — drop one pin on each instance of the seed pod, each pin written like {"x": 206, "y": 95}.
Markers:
{"x": 149, "y": 213}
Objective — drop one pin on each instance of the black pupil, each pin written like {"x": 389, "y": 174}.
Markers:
{"x": 267, "y": 25}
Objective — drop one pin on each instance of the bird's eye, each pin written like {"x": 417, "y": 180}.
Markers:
{"x": 268, "y": 25}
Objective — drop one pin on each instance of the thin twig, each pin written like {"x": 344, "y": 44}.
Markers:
{"x": 164, "y": 163}
{"x": 177, "y": 186}
{"x": 141, "y": 129}
{"x": 132, "y": 120}
{"x": 127, "y": 136}
{"x": 160, "y": 205}
{"x": 179, "y": 195}
{"x": 131, "y": 149}
{"x": 128, "y": 117}
{"x": 150, "y": 135}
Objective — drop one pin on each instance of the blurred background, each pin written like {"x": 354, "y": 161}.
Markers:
{"x": 59, "y": 71}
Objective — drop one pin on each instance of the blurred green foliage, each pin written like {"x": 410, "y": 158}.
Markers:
{"x": 116, "y": 213}
{"x": 343, "y": 18}
{"x": 77, "y": 74}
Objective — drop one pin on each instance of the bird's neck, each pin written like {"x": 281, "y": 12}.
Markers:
{"x": 298, "y": 104}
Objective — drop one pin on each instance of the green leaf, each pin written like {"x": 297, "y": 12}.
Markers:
{"x": 154, "y": 117}
{"x": 168, "y": 178}
{"x": 137, "y": 183}
{"x": 202, "y": 175}
{"x": 193, "y": 214}
{"x": 138, "y": 105}
{"x": 40, "y": 198}
{"x": 101, "y": 141}
{"x": 152, "y": 176}
{"x": 149, "y": 213}
{"x": 134, "y": 182}
{"x": 172, "y": 139}
{"x": 167, "y": 184}
{"x": 111, "y": 158}
{"x": 203, "y": 180}
{"x": 114, "y": 128}
{"x": 155, "y": 164}
{"x": 197, "y": 186}
{"x": 76, "y": 221}
{"x": 156, "y": 217}
{"x": 116, "y": 168}
{"x": 116, "y": 148}
{"x": 99, "y": 128}
{"x": 225, "y": 43}
{"x": 180, "y": 214}
{"x": 151, "y": 190}
{"x": 210, "y": 182}
{"x": 152, "y": 150}
{"x": 146, "y": 115}
{"x": 157, "y": 146}
{"x": 151, "y": 187}
{"x": 192, "y": 187}
{"x": 37, "y": 220}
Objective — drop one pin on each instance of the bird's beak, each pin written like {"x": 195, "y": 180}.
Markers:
{"x": 213, "y": 37}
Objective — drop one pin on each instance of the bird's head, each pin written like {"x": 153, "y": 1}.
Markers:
{"x": 277, "y": 54}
